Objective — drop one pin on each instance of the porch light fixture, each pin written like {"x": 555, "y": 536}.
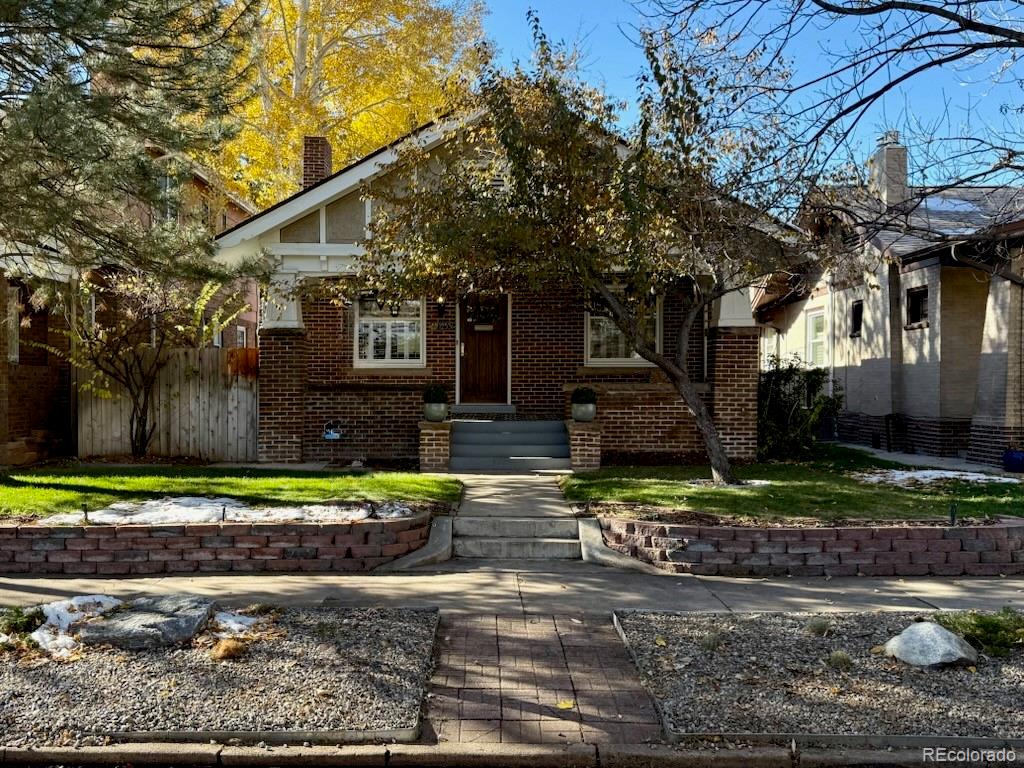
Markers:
{"x": 395, "y": 309}
{"x": 442, "y": 308}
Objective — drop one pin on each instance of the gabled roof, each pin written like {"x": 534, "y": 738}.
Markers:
{"x": 934, "y": 216}
{"x": 335, "y": 185}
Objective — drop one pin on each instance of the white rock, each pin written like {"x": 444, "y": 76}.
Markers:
{"x": 926, "y": 644}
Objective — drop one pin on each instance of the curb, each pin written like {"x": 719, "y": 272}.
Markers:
{"x": 595, "y": 551}
{"x": 467, "y": 756}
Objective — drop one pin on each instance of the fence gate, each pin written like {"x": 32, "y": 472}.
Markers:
{"x": 205, "y": 405}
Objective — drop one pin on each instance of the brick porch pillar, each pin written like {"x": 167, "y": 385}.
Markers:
{"x": 734, "y": 370}
{"x": 282, "y": 394}
{"x": 435, "y": 445}
{"x": 584, "y": 445}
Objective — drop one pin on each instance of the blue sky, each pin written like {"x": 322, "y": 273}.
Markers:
{"x": 602, "y": 26}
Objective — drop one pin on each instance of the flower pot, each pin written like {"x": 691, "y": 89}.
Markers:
{"x": 1013, "y": 460}
{"x": 435, "y": 411}
{"x": 584, "y": 411}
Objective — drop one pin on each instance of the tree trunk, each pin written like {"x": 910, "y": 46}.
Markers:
{"x": 721, "y": 467}
{"x": 139, "y": 431}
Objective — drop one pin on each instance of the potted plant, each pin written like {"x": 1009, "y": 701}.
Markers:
{"x": 435, "y": 403}
{"x": 584, "y": 404}
{"x": 1013, "y": 459}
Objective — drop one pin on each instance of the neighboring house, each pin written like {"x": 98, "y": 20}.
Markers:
{"x": 921, "y": 335}
{"x": 37, "y": 405}
{"x": 358, "y": 371}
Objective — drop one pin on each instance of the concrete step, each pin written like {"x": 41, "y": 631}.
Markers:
{"x": 492, "y": 427}
{"x": 516, "y": 527}
{"x": 507, "y": 451}
{"x": 503, "y": 464}
{"x": 517, "y": 549}
{"x": 509, "y": 438}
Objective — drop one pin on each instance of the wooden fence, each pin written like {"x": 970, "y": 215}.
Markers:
{"x": 205, "y": 405}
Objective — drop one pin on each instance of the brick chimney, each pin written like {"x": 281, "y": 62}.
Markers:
{"x": 888, "y": 170}
{"x": 316, "y": 160}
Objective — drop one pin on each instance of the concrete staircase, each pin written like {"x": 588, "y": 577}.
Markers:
{"x": 508, "y": 446}
{"x": 515, "y": 518}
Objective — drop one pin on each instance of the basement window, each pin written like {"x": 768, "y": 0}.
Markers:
{"x": 917, "y": 307}
{"x": 856, "y": 319}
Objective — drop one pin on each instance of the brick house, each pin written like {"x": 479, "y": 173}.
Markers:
{"x": 509, "y": 362}
{"x": 37, "y": 391}
{"x": 924, "y": 334}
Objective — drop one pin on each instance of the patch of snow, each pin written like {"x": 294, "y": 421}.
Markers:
{"x": 944, "y": 204}
{"x": 233, "y": 624}
{"x": 54, "y": 635}
{"x": 4, "y": 639}
{"x": 197, "y": 509}
{"x": 911, "y": 477}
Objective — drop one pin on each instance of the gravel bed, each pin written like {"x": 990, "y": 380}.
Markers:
{"x": 313, "y": 670}
{"x": 766, "y": 673}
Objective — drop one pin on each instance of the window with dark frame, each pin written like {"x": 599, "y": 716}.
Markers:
{"x": 856, "y": 318}
{"x": 917, "y": 306}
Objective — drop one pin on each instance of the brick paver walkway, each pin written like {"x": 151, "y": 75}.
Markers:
{"x": 534, "y": 679}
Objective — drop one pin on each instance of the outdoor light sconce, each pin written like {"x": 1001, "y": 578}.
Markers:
{"x": 442, "y": 308}
{"x": 333, "y": 430}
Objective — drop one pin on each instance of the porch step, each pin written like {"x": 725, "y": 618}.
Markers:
{"x": 508, "y": 446}
{"x": 517, "y": 548}
{"x": 516, "y": 527}
{"x": 502, "y": 464}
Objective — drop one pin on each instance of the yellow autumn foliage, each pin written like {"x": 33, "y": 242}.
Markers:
{"x": 362, "y": 72}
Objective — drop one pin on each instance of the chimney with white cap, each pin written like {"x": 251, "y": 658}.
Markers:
{"x": 888, "y": 170}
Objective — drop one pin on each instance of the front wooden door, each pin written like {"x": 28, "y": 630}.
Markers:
{"x": 483, "y": 349}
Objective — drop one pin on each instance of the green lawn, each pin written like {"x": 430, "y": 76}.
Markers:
{"x": 820, "y": 488}
{"x": 51, "y": 490}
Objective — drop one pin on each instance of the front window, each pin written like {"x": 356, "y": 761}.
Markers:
{"x": 607, "y": 345}
{"x": 816, "y": 339}
{"x": 389, "y": 334}
{"x": 917, "y": 306}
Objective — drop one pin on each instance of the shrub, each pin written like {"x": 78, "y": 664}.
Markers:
{"x": 712, "y": 641}
{"x": 839, "y": 660}
{"x": 792, "y": 406}
{"x": 435, "y": 393}
{"x": 19, "y": 621}
{"x": 584, "y": 396}
{"x": 818, "y": 626}
{"x": 995, "y": 634}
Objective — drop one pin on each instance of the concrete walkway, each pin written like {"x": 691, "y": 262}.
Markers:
{"x": 933, "y": 462}
{"x": 512, "y": 496}
{"x": 548, "y": 588}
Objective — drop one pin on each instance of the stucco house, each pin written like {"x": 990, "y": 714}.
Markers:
{"x": 924, "y": 331}
{"x": 357, "y": 371}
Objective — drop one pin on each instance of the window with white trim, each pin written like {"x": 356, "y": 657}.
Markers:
{"x": 13, "y": 324}
{"x": 817, "y": 352}
{"x": 218, "y": 337}
{"x": 241, "y": 336}
{"x": 389, "y": 334}
{"x": 607, "y": 345}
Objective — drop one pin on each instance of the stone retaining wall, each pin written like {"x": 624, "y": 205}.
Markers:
{"x": 123, "y": 550}
{"x": 991, "y": 550}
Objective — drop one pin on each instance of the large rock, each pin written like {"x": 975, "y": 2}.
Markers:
{"x": 149, "y": 622}
{"x": 926, "y": 644}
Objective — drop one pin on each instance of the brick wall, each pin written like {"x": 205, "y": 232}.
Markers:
{"x": 4, "y": 366}
{"x": 734, "y": 371}
{"x": 991, "y": 550}
{"x": 584, "y": 445}
{"x": 282, "y": 394}
{"x": 239, "y": 547}
{"x": 309, "y": 378}
{"x": 435, "y": 446}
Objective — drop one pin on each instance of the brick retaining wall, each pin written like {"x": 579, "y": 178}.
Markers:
{"x": 123, "y": 550}
{"x": 991, "y": 550}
